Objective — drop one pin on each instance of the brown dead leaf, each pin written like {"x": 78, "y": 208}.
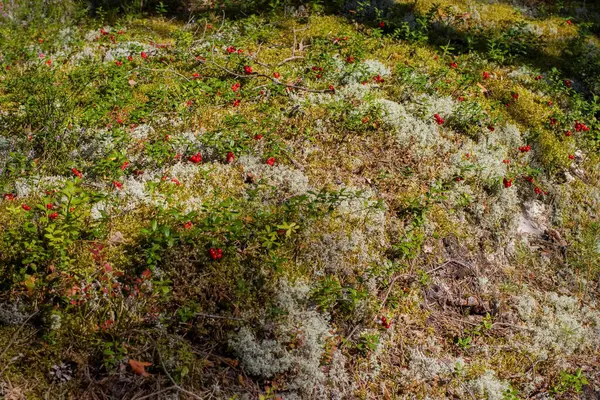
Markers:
{"x": 230, "y": 362}
{"x": 132, "y": 82}
{"x": 139, "y": 367}
{"x": 208, "y": 363}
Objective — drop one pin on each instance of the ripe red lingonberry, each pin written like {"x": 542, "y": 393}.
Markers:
{"x": 507, "y": 182}
{"x": 486, "y": 75}
{"x": 117, "y": 185}
{"x": 438, "y": 119}
{"x": 271, "y": 161}
{"x": 188, "y": 225}
{"x": 571, "y": 157}
{"x": 216, "y": 254}
{"x": 276, "y": 75}
{"x": 247, "y": 69}
{"x": 580, "y": 126}
{"x": 386, "y": 323}
{"x": 196, "y": 158}
{"x": 25, "y": 207}
{"x": 54, "y": 215}
{"x": 525, "y": 149}
{"x": 235, "y": 87}
{"x": 144, "y": 55}
{"x": 230, "y": 157}
{"x": 77, "y": 173}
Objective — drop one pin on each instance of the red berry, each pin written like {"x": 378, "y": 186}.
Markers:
{"x": 507, "y": 182}
{"x": 215, "y": 254}
{"x": 25, "y": 207}
{"x": 271, "y": 161}
{"x": 196, "y": 158}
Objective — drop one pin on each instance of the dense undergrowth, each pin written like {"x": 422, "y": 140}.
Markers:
{"x": 282, "y": 200}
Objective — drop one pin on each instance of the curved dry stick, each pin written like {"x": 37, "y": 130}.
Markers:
{"x": 274, "y": 80}
{"x": 14, "y": 336}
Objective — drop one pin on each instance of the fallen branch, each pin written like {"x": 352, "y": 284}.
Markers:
{"x": 290, "y": 59}
{"x": 219, "y": 317}
{"x": 14, "y": 336}
{"x": 274, "y": 80}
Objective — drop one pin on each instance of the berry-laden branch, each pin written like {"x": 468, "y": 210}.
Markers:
{"x": 274, "y": 80}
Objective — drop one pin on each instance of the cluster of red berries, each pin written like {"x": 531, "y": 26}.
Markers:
{"x": 271, "y": 161}
{"x": 232, "y": 50}
{"x": 247, "y": 69}
{"x": 235, "y": 87}
{"x": 196, "y": 158}
{"x": 378, "y": 79}
{"x": 580, "y": 126}
{"x": 77, "y": 173}
{"x": 215, "y": 254}
{"x": 438, "y": 119}
{"x": 386, "y": 323}
{"x": 525, "y": 149}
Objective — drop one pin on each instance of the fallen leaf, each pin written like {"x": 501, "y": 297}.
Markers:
{"x": 230, "y": 362}
{"x": 138, "y": 367}
{"x": 132, "y": 82}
